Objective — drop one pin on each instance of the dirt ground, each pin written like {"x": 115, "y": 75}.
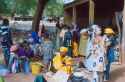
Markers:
{"x": 117, "y": 75}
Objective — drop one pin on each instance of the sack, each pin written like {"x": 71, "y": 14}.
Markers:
{"x": 60, "y": 76}
{"x": 78, "y": 79}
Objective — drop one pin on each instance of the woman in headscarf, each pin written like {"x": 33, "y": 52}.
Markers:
{"x": 47, "y": 50}
{"x": 96, "y": 57}
{"x": 62, "y": 62}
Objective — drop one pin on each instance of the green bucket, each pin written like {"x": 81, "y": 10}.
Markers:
{"x": 2, "y": 79}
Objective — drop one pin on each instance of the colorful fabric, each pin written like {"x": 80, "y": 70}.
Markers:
{"x": 96, "y": 58}
{"x": 58, "y": 63}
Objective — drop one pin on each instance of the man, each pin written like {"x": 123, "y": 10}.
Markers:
{"x": 62, "y": 62}
{"x": 68, "y": 41}
{"x": 5, "y": 39}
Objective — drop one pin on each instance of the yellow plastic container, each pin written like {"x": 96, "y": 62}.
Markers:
{"x": 36, "y": 68}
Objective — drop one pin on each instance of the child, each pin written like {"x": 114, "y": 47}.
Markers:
{"x": 23, "y": 59}
{"x": 13, "y": 61}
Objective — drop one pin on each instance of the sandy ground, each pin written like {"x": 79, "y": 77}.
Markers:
{"x": 20, "y": 78}
{"x": 117, "y": 75}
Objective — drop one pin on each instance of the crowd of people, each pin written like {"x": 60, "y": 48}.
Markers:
{"x": 95, "y": 45}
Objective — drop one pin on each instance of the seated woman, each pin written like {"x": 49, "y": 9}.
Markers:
{"x": 62, "y": 62}
{"x": 23, "y": 57}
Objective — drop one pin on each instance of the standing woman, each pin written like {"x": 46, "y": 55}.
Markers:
{"x": 47, "y": 50}
{"x": 6, "y": 40}
{"x": 83, "y": 42}
{"x": 75, "y": 41}
{"x": 95, "y": 61}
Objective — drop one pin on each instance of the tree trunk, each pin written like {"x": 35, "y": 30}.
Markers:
{"x": 123, "y": 37}
{"x": 38, "y": 15}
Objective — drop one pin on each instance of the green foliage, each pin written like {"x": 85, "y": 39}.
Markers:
{"x": 24, "y": 7}
{"x": 54, "y": 8}
{"x": 20, "y": 7}
{"x": 4, "y": 7}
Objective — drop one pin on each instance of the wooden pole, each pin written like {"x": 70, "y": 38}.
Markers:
{"x": 74, "y": 15}
{"x": 123, "y": 37}
{"x": 91, "y": 11}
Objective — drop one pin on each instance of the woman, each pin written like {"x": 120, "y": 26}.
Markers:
{"x": 83, "y": 42}
{"x": 47, "y": 50}
{"x": 96, "y": 56}
{"x": 75, "y": 42}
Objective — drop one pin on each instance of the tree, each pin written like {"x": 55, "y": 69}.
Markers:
{"x": 54, "y": 8}
{"x": 39, "y": 11}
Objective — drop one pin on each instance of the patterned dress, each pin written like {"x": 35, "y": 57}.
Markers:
{"x": 47, "y": 51}
{"x": 96, "y": 57}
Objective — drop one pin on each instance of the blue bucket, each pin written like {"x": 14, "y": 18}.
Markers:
{"x": 26, "y": 67}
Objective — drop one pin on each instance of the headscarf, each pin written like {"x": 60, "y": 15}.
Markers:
{"x": 63, "y": 49}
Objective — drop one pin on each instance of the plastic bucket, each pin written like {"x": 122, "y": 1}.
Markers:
{"x": 2, "y": 79}
{"x": 26, "y": 67}
{"x": 35, "y": 68}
